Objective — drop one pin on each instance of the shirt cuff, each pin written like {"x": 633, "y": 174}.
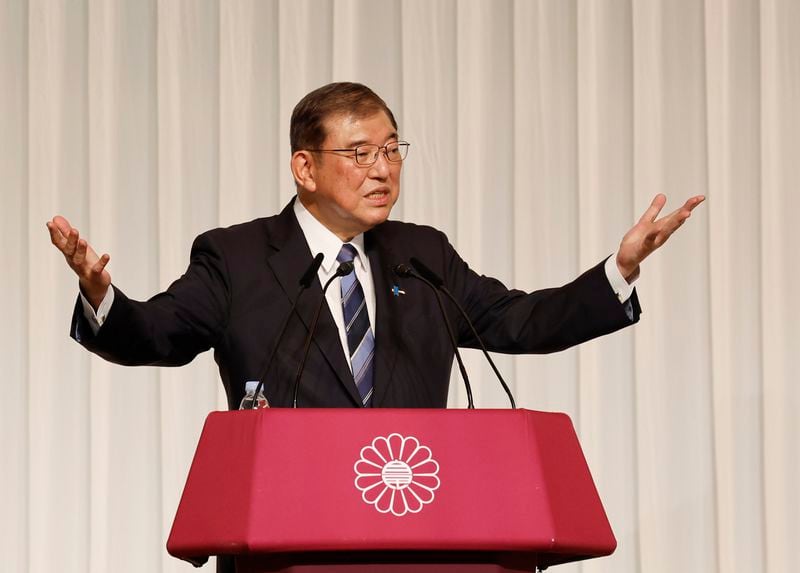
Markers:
{"x": 619, "y": 285}
{"x": 96, "y": 319}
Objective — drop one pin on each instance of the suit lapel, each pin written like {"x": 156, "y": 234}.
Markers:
{"x": 289, "y": 259}
{"x": 387, "y": 312}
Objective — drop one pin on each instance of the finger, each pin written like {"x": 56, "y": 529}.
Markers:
{"x": 678, "y": 216}
{"x": 62, "y": 224}
{"x": 56, "y": 237}
{"x": 693, "y": 202}
{"x": 669, "y": 224}
{"x": 675, "y": 224}
{"x": 80, "y": 252}
{"x": 654, "y": 209}
{"x": 100, "y": 265}
{"x": 72, "y": 242}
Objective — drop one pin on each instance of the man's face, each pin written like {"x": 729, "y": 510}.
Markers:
{"x": 348, "y": 198}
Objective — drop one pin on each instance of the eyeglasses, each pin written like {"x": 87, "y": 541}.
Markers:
{"x": 367, "y": 154}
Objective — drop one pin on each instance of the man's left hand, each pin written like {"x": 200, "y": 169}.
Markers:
{"x": 650, "y": 233}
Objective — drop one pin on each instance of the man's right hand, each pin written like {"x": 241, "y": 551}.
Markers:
{"x": 81, "y": 258}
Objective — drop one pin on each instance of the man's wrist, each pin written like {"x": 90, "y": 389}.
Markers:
{"x": 93, "y": 295}
{"x": 96, "y": 315}
{"x": 629, "y": 272}
{"x": 619, "y": 284}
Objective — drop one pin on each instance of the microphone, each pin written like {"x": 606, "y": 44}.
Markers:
{"x": 405, "y": 271}
{"x": 437, "y": 281}
{"x": 305, "y": 282}
{"x": 311, "y": 271}
{"x": 342, "y": 270}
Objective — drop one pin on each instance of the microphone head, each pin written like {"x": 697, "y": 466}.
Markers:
{"x": 426, "y": 272}
{"x": 311, "y": 271}
{"x": 402, "y": 270}
{"x": 344, "y": 269}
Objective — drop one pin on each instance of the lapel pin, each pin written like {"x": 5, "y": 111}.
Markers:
{"x": 396, "y": 290}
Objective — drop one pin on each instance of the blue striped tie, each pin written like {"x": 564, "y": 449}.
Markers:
{"x": 360, "y": 341}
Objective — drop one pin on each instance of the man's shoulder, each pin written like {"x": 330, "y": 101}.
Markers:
{"x": 259, "y": 231}
{"x": 253, "y": 233}
{"x": 247, "y": 228}
{"x": 391, "y": 230}
{"x": 399, "y": 241}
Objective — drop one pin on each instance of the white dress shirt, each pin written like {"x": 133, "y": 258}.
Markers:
{"x": 321, "y": 240}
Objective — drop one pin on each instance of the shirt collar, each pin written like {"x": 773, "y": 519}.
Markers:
{"x": 320, "y": 239}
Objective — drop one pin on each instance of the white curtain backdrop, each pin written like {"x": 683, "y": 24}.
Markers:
{"x": 540, "y": 131}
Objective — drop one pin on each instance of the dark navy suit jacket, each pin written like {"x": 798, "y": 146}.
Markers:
{"x": 240, "y": 284}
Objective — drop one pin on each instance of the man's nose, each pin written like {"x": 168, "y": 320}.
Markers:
{"x": 380, "y": 169}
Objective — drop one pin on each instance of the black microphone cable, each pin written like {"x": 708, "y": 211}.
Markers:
{"x": 438, "y": 283}
{"x": 342, "y": 270}
{"x": 405, "y": 271}
{"x": 305, "y": 282}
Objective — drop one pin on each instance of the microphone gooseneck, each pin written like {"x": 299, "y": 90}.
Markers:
{"x": 405, "y": 271}
{"x": 305, "y": 281}
{"x": 342, "y": 270}
{"x": 435, "y": 279}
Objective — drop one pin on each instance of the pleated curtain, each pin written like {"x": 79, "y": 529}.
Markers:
{"x": 540, "y": 132}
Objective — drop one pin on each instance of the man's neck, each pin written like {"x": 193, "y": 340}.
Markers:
{"x": 311, "y": 207}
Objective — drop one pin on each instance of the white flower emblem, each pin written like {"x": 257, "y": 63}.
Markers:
{"x": 396, "y": 474}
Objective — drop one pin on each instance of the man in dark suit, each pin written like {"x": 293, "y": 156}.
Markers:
{"x": 373, "y": 347}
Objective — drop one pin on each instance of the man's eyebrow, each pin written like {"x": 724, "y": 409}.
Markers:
{"x": 357, "y": 142}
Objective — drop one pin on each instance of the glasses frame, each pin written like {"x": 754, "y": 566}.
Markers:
{"x": 353, "y": 152}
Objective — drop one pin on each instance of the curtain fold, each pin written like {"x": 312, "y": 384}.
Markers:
{"x": 15, "y": 436}
{"x": 540, "y": 132}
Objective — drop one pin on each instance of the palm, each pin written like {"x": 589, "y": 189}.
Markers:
{"x": 649, "y": 233}
{"x": 81, "y": 258}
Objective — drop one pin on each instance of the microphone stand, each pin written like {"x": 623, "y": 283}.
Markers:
{"x": 342, "y": 270}
{"x": 405, "y": 271}
{"x": 305, "y": 282}
{"x": 438, "y": 283}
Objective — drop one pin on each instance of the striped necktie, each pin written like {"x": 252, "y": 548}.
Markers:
{"x": 360, "y": 341}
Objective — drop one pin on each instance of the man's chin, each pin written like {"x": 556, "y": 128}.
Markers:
{"x": 382, "y": 215}
{"x": 367, "y": 223}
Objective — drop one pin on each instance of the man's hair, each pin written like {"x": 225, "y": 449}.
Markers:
{"x": 307, "y": 129}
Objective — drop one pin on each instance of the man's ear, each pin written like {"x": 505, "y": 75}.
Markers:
{"x": 304, "y": 170}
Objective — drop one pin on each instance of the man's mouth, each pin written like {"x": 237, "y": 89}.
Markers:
{"x": 378, "y": 196}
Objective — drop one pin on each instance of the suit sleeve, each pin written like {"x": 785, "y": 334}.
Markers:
{"x": 174, "y": 326}
{"x": 548, "y": 320}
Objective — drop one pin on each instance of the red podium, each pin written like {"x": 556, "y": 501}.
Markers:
{"x": 340, "y": 490}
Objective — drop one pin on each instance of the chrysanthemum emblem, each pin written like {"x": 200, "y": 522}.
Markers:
{"x": 397, "y": 475}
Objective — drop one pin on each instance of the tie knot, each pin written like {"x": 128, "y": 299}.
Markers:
{"x": 348, "y": 253}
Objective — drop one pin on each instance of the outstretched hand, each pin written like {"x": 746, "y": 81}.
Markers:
{"x": 82, "y": 259}
{"x": 650, "y": 233}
